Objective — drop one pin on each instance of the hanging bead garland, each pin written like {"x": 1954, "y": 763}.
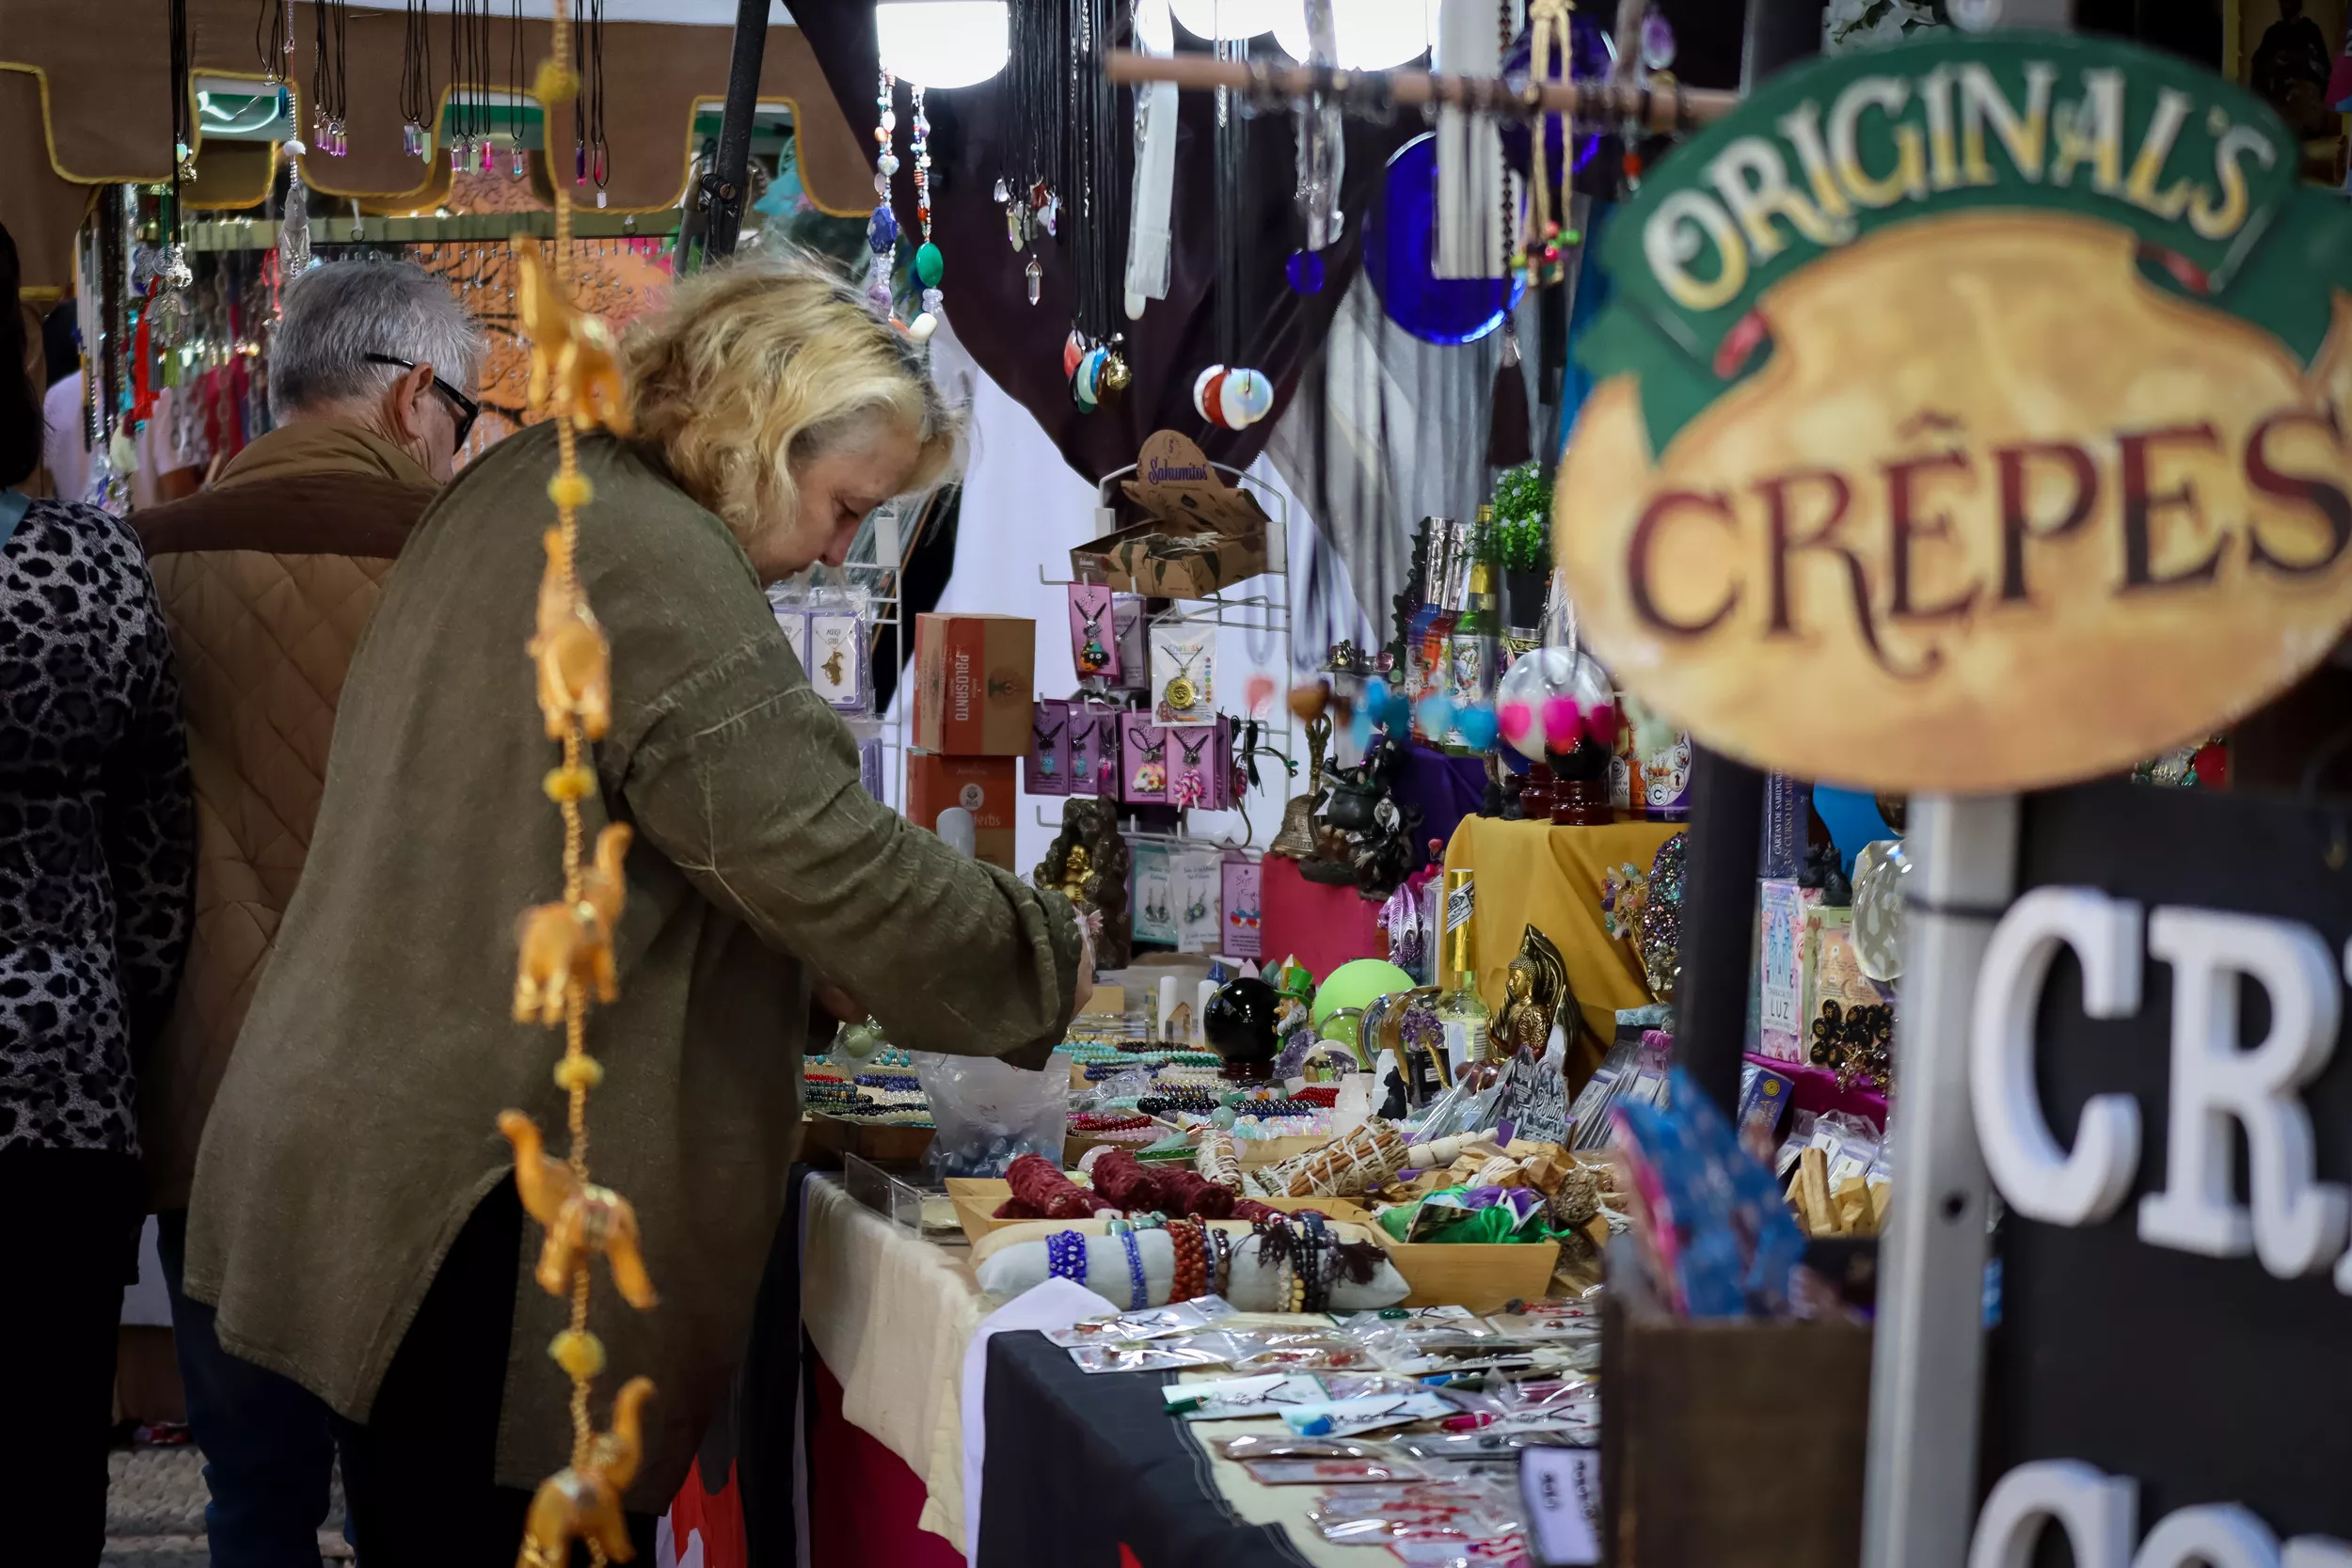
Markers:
{"x": 566, "y": 946}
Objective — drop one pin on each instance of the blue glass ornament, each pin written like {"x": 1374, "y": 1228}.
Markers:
{"x": 882, "y": 231}
{"x": 1477, "y": 727}
{"x": 1399, "y": 242}
{"x": 1305, "y": 271}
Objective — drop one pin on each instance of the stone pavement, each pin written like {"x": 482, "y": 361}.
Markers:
{"x": 156, "y": 1511}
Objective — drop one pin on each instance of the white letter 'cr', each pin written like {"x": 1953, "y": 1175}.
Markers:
{"x": 2040, "y": 1179}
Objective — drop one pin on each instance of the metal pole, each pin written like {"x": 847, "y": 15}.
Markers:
{"x": 1728, "y": 796}
{"x": 724, "y": 187}
{"x": 1927, "y": 1369}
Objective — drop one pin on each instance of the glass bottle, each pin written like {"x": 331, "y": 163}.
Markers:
{"x": 1461, "y": 1011}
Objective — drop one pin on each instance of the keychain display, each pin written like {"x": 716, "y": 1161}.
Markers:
{"x": 1046, "y": 770}
{"x": 1241, "y": 880}
{"x": 1093, "y": 632}
{"x": 1143, "y": 751}
{"x": 1183, "y": 673}
{"x": 837, "y": 665}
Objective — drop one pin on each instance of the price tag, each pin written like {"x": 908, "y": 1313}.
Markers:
{"x": 1562, "y": 1490}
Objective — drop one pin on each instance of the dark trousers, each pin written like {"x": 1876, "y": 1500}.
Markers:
{"x": 419, "y": 1478}
{"x": 269, "y": 1454}
{"x": 70, "y": 1221}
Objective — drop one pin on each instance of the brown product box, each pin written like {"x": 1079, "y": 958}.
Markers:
{"x": 981, "y": 785}
{"x": 973, "y": 678}
{"x": 1185, "y": 533}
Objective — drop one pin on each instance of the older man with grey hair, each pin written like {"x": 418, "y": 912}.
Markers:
{"x": 267, "y": 579}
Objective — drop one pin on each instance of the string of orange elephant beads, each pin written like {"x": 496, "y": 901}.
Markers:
{"x": 566, "y": 946}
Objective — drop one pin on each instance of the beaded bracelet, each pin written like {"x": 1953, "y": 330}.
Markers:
{"x": 1314, "y": 1255}
{"x": 1066, "y": 1257}
{"x": 1190, "y": 1240}
{"x": 1224, "y": 1259}
{"x": 1141, "y": 1293}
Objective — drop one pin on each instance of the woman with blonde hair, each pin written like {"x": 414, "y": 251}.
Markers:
{"x": 355, "y": 1216}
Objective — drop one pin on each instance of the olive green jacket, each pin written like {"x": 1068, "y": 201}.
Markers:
{"x": 354, "y": 1132}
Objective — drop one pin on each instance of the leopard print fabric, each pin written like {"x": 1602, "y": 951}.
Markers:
{"x": 97, "y": 832}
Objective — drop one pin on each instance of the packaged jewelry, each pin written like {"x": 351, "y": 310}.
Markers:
{"x": 1158, "y": 1356}
{"x": 1308, "y": 1472}
{"x": 837, "y": 665}
{"x": 1181, "y": 1316}
{"x": 1183, "y": 673}
{"x": 1047, "y": 769}
{"x": 1087, "y": 723}
{"x": 1241, "y": 880}
{"x": 1154, "y": 901}
{"x": 1200, "y": 765}
{"x": 1143, "y": 754}
{"x": 1267, "y": 1445}
{"x": 1228, "y": 1399}
{"x": 792, "y": 620}
{"x": 1200, "y": 889}
{"x": 1093, "y": 632}
{"x": 1135, "y": 662}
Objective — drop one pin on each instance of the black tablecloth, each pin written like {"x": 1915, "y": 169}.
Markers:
{"x": 1079, "y": 1466}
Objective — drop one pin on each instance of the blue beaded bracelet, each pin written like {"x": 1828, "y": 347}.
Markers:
{"x": 1142, "y": 1292}
{"x": 1066, "y": 1257}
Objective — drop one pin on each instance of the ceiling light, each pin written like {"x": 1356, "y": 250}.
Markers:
{"x": 942, "y": 43}
{"x": 1225, "y": 19}
{"x": 1371, "y": 35}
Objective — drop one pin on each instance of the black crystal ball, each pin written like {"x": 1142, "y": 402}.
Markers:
{"x": 1240, "y": 1023}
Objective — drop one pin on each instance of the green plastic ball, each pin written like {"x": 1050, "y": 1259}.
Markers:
{"x": 1355, "y": 985}
{"x": 930, "y": 266}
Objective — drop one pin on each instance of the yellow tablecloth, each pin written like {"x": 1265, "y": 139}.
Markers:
{"x": 1534, "y": 873}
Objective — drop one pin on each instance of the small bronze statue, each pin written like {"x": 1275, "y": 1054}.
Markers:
{"x": 1088, "y": 861}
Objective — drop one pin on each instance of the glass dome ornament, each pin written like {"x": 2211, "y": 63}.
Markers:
{"x": 1553, "y": 699}
{"x": 1399, "y": 245}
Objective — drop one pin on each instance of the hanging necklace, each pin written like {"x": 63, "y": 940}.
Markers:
{"x": 1191, "y": 788}
{"x": 882, "y": 229}
{"x": 1045, "y": 738}
{"x": 1180, "y": 694}
{"x": 327, "y": 102}
{"x": 416, "y": 82}
{"x": 1092, "y": 657}
{"x": 272, "y": 39}
{"x": 591, "y": 155}
{"x": 1151, "y": 774}
{"x": 930, "y": 266}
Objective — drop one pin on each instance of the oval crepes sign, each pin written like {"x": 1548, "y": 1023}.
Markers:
{"x": 1968, "y": 415}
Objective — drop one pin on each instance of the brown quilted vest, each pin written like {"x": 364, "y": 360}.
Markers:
{"x": 267, "y": 580}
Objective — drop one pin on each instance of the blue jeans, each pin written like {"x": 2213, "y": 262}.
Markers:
{"x": 269, "y": 1453}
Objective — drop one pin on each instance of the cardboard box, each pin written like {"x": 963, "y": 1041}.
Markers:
{"x": 1189, "y": 533}
{"x": 973, "y": 676}
{"x": 981, "y": 785}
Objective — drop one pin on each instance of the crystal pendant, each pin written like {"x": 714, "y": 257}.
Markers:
{"x": 523, "y": 163}
{"x": 1657, "y": 41}
{"x": 998, "y": 195}
{"x": 1305, "y": 271}
{"x": 457, "y": 156}
{"x": 1037, "y": 279}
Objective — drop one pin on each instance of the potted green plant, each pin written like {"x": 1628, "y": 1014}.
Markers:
{"x": 1520, "y": 541}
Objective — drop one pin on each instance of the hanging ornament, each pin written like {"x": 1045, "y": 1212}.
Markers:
{"x": 930, "y": 266}
{"x": 294, "y": 230}
{"x": 1036, "y": 275}
{"x": 1204, "y": 394}
{"x": 1072, "y": 349}
{"x": 1398, "y": 245}
{"x": 882, "y": 229}
{"x": 1658, "y": 34}
{"x": 1305, "y": 271}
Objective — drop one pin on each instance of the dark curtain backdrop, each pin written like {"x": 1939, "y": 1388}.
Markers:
{"x": 986, "y": 286}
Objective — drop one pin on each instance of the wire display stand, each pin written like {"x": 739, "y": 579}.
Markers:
{"x": 1259, "y": 608}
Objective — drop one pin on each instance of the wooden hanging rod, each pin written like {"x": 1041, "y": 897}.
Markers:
{"x": 1669, "y": 106}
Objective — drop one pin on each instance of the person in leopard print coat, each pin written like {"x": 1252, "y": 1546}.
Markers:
{"x": 97, "y": 861}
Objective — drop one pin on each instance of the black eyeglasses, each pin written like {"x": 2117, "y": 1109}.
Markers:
{"x": 468, "y": 410}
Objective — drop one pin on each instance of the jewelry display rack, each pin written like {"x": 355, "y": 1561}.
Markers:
{"x": 1259, "y": 615}
{"x": 329, "y": 228}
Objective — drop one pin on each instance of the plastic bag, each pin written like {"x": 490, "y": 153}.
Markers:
{"x": 989, "y": 1115}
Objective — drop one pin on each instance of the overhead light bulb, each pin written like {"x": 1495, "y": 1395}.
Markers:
{"x": 942, "y": 43}
{"x": 1225, "y": 19}
{"x": 1370, "y": 35}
